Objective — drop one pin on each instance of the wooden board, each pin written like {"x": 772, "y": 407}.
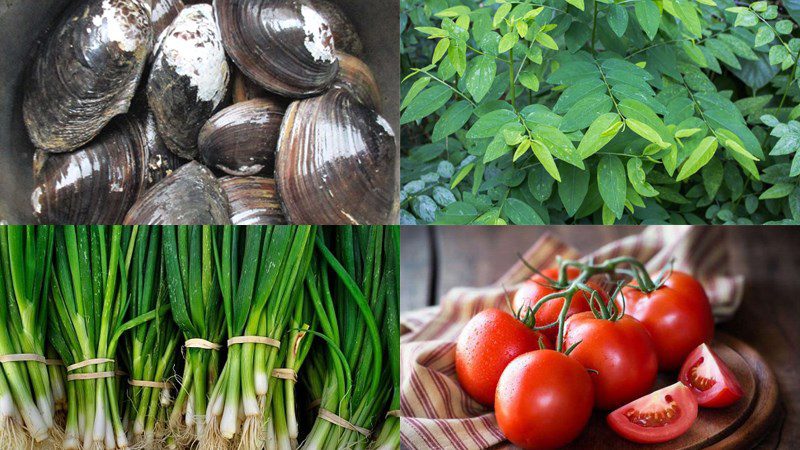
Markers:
{"x": 738, "y": 426}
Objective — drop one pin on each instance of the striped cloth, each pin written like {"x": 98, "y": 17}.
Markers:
{"x": 437, "y": 414}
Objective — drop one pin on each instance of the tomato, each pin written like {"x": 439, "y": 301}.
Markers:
{"x": 486, "y": 345}
{"x": 658, "y": 417}
{"x": 677, "y": 315}
{"x": 621, "y": 352}
{"x": 710, "y": 380}
{"x": 538, "y": 286}
{"x": 543, "y": 400}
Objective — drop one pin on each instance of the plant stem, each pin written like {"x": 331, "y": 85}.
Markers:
{"x": 511, "y": 89}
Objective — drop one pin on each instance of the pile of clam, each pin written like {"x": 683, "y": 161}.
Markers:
{"x": 240, "y": 111}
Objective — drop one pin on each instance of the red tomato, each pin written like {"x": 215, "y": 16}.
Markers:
{"x": 710, "y": 380}
{"x": 658, "y": 417}
{"x": 621, "y": 352}
{"x": 490, "y": 341}
{"x": 538, "y": 286}
{"x": 677, "y": 315}
{"x": 544, "y": 400}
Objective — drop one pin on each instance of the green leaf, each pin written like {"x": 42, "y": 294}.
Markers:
{"x": 496, "y": 149}
{"x": 585, "y": 111}
{"x": 612, "y": 183}
{"x": 576, "y": 3}
{"x": 712, "y": 176}
{"x": 649, "y": 16}
{"x": 432, "y": 31}
{"x": 415, "y": 89}
{"x": 699, "y": 157}
{"x": 646, "y": 132}
{"x": 544, "y": 157}
{"x": 732, "y": 142}
{"x": 784, "y": 26}
{"x": 745, "y": 19}
{"x": 480, "y": 76}
{"x": 608, "y": 216}
{"x": 618, "y": 19}
{"x": 777, "y": 53}
{"x": 501, "y": 14}
{"x": 426, "y": 103}
{"x": 454, "y": 11}
{"x": 521, "y": 214}
{"x": 559, "y": 144}
{"x": 529, "y": 79}
{"x": 764, "y": 35}
{"x": 523, "y": 147}
{"x": 600, "y": 133}
{"x": 688, "y": 132}
{"x": 779, "y": 190}
{"x": 507, "y": 42}
{"x": 452, "y": 120}
{"x": 461, "y": 175}
{"x": 573, "y": 188}
{"x": 440, "y": 50}
{"x": 490, "y": 124}
{"x": 546, "y": 41}
{"x": 638, "y": 178}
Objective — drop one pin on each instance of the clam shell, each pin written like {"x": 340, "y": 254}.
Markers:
{"x": 337, "y": 163}
{"x": 345, "y": 37}
{"x": 244, "y": 89}
{"x": 188, "y": 78}
{"x": 191, "y": 195}
{"x": 356, "y": 77}
{"x": 86, "y": 72}
{"x": 96, "y": 184}
{"x": 241, "y": 139}
{"x": 285, "y": 46}
{"x": 163, "y": 12}
{"x": 253, "y": 200}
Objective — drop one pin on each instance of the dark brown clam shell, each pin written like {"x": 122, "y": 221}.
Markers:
{"x": 345, "y": 37}
{"x": 96, "y": 184}
{"x": 191, "y": 195}
{"x": 244, "y": 89}
{"x": 242, "y": 138}
{"x": 356, "y": 77}
{"x": 253, "y": 200}
{"x": 159, "y": 161}
{"x": 337, "y": 163}
{"x": 188, "y": 78}
{"x": 283, "y": 45}
{"x": 162, "y": 13}
{"x": 86, "y": 72}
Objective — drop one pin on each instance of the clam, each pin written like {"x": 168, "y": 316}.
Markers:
{"x": 241, "y": 139}
{"x": 337, "y": 162}
{"x": 286, "y": 46}
{"x": 96, "y": 184}
{"x": 86, "y": 72}
{"x": 191, "y": 195}
{"x": 345, "y": 37}
{"x": 163, "y": 12}
{"x": 253, "y": 200}
{"x": 188, "y": 78}
{"x": 356, "y": 77}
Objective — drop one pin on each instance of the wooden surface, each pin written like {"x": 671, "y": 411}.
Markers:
{"x": 435, "y": 259}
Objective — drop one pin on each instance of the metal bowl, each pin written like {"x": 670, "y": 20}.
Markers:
{"x": 22, "y": 26}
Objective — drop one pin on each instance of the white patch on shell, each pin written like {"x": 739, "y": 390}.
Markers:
{"x": 319, "y": 40}
{"x": 383, "y": 123}
{"x": 36, "y": 200}
{"x": 128, "y": 32}
{"x": 193, "y": 47}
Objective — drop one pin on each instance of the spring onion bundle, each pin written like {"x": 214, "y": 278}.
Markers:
{"x": 193, "y": 287}
{"x": 26, "y": 395}
{"x": 350, "y": 286}
{"x": 261, "y": 270}
{"x": 150, "y": 347}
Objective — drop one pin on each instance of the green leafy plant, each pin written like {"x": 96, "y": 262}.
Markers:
{"x": 573, "y": 111}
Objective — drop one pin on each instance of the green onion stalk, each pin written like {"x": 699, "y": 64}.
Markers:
{"x": 91, "y": 267}
{"x": 261, "y": 271}
{"x": 150, "y": 348}
{"x": 349, "y": 289}
{"x": 58, "y": 380}
{"x": 282, "y": 426}
{"x": 389, "y": 434}
{"x": 193, "y": 287}
{"x": 26, "y": 397}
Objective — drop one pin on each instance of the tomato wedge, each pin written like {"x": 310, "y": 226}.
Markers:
{"x": 710, "y": 380}
{"x": 658, "y": 417}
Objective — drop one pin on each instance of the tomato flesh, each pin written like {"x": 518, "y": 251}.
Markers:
{"x": 486, "y": 345}
{"x": 710, "y": 380}
{"x": 658, "y": 417}
{"x": 544, "y": 400}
